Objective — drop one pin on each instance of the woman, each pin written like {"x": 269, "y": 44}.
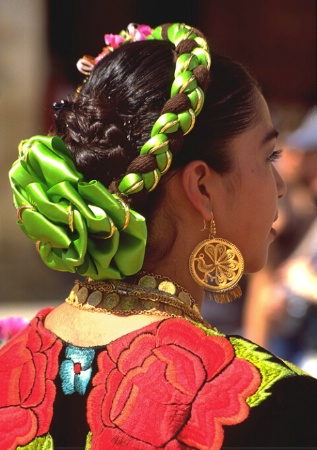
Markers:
{"x": 154, "y": 220}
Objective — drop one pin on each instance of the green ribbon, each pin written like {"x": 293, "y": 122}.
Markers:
{"x": 76, "y": 224}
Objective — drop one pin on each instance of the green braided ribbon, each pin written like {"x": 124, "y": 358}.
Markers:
{"x": 184, "y": 82}
{"x": 78, "y": 226}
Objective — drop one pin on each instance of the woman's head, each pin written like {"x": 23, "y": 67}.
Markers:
{"x": 111, "y": 118}
{"x": 125, "y": 127}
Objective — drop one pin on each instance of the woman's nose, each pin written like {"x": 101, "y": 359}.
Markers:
{"x": 280, "y": 184}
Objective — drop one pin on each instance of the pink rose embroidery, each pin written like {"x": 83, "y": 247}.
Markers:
{"x": 192, "y": 382}
{"x": 28, "y": 366}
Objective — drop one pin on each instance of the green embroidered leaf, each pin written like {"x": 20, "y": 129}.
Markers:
{"x": 39, "y": 443}
{"x": 209, "y": 331}
{"x": 270, "y": 371}
{"x": 88, "y": 441}
{"x": 296, "y": 369}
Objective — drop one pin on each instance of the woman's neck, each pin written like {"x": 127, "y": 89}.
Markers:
{"x": 87, "y": 329}
{"x": 141, "y": 300}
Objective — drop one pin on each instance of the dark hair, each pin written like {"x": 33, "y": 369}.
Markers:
{"x": 229, "y": 109}
{"x": 111, "y": 118}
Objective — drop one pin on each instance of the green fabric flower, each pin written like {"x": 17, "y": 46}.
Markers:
{"x": 76, "y": 224}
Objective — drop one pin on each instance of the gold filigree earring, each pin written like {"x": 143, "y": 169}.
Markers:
{"x": 217, "y": 265}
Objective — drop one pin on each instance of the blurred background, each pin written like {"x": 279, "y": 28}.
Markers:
{"x": 40, "y": 43}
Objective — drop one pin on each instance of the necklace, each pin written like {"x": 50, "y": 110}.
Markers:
{"x": 146, "y": 294}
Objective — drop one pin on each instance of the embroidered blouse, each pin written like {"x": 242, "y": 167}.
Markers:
{"x": 169, "y": 385}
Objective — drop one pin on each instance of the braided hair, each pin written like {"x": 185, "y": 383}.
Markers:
{"x": 114, "y": 139}
{"x": 107, "y": 123}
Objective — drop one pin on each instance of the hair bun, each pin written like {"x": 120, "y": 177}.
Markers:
{"x": 97, "y": 136}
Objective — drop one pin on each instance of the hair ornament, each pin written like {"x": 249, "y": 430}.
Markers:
{"x": 191, "y": 79}
{"x": 60, "y": 105}
{"x": 77, "y": 226}
{"x": 80, "y": 226}
{"x": 133, "y": 33}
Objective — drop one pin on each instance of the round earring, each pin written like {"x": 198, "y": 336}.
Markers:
{"x": 217, "y": 265}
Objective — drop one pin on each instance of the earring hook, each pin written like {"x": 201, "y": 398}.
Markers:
{"x": 211, "y": 228}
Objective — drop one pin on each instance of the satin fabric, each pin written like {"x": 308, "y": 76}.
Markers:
{"x": 71, "y": 219}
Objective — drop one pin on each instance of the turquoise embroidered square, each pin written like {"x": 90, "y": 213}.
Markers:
{"x": 75, "y": 371}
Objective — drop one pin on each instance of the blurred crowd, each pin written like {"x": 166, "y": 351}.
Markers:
{"x": 279, "y": 306}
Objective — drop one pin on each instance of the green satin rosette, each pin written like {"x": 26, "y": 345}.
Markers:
{"x": 78, "y": 226}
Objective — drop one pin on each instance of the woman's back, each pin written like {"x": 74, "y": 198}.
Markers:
{"x": 169, "y": 384}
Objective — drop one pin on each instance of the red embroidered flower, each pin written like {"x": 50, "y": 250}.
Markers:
{"x": 28, "y": 366}
{"x": 170, "y": 386}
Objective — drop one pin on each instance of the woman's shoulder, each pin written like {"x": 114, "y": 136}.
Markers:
{"x": 281, "y": 402}
{"x": 219, "y": 385}
{"x": 232, "y": 362}
{"x": 269, "y": 379}
{"x": 283, "y": 408}
{"x": 271, "y": 366}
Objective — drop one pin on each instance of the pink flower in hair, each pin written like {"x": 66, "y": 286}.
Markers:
{"x": 139, "y": 32}
{"x": 114, "y": 40}
{"x": 133, "y": 33}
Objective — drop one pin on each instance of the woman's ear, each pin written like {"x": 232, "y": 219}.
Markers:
{"x": 197, "y": 184}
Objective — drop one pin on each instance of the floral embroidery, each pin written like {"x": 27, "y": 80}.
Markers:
{"x": 28, "y": 366}
{"x": 195, "y": 380}
{"x": 295, "y": 369}
{"x": 270, "y": 371}
{"x": 88, "y": 441}
{"x": 40, "y": 443}
{"x": 75, "y": 371}
{"x": 193, "y": 383}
